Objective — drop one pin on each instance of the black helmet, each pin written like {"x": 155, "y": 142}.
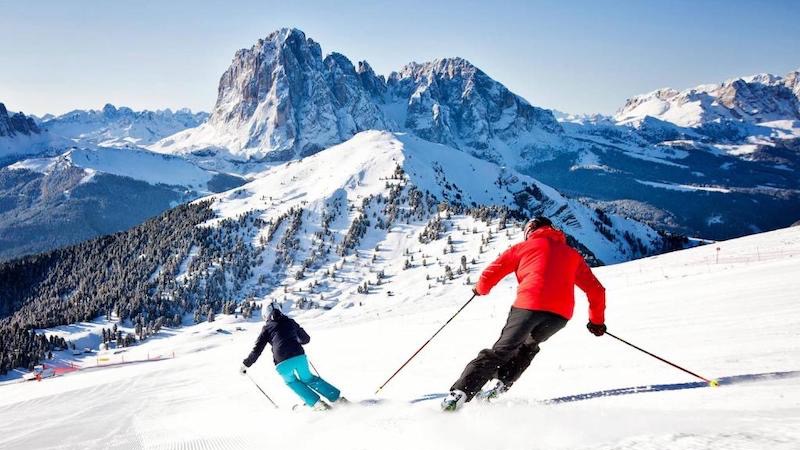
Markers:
{"x": 536, "y": 223}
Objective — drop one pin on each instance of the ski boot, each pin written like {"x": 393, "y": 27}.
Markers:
{"x": 494, "y": 392}
{"x": 454, "y": 400}
{"x": 341, "y": 401}
{"x": 320, "y": 406}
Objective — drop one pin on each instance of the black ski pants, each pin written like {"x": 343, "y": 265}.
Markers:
{"x": 513, "y": 352}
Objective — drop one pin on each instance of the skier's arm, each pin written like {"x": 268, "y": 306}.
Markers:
{"x": 595, "y": 292}
{"x": 261, "y": 342}
{"x": 502, "y": 266}
{"x": 302, "y": 337}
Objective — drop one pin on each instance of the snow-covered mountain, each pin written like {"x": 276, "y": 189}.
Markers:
{"x": 20, "y": 136}
{"x": 396, "y": 208}
{"x": 16, "y": 124}
{"x": 728, "y": 111}
{"x": 49, "y": 202}
{"x": 136, "y": 164}
{"x": 281, "y": 100}
{"x": 120, "y": 127}
{"x": 383, "y": 180}
{"x": 694, "y": 161}
{"x": 450, "y": 101}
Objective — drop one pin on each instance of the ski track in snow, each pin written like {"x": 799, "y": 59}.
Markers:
{"x": 719, "y": 313}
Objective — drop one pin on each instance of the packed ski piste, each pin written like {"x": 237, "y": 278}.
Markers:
{"x": 701, "y": 353}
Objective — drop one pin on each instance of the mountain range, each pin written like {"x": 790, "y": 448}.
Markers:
{"x": 715, "y": 161}
{"x": 694, "y": 162}
{"x": 70, "y": 178}
{"x": 316, "y": 182}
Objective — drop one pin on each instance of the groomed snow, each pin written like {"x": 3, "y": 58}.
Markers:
{"x": 722, "y": 309}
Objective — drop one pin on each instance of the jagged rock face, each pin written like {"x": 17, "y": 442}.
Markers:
{"x": 749, "y": 100}
{"x": 452, "y": 102}
{"x": 762, "y": 99}
{"x": 792, "y": 81}
{"x": 282, "y": 99}
{"x": 17, "y": 123}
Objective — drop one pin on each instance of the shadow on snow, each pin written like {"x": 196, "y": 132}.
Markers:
{"x": 723, "y": 381}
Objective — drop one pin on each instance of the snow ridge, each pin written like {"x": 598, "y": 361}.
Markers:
{"x": 121, "y": 127}
{"x": 754, "y": 99}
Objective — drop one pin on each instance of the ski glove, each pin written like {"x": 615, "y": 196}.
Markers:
{"x": 475, "y": 291}
{"x": 596, "y": 329}
{"x": 243, "y": 370}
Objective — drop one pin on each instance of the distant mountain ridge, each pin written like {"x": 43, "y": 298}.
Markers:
{"x": 732, "y": 111}
{"x": 59, "y": 186}
{"x": 112, "y": 126}
{"x": 21, "y": 136}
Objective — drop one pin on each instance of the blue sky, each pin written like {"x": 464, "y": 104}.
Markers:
{"x": 579, "y": 56}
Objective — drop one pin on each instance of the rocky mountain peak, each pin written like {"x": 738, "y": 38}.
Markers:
{"x": 451, "y": 101}
{"x": 281, "y": 99}
{"x": 17, "y": 123}
{"x": 374, "y": 84}
{"x": 754, "y": 99}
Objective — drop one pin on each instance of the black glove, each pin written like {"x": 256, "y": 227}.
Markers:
{"x": 596, "y": 329}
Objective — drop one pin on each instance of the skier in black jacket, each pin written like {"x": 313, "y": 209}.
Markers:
{"x": 287, "y": 339}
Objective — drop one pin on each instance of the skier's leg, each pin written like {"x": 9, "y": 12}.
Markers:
{"x": 288, "y": 371}
{"x": 314, "y": 382}
{"x": 547, "y": 325}
{"x": 484, "y": 367}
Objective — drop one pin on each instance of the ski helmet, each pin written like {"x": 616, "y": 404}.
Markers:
{"x": 536, "y": 223}
{"x": 271, "y": 310}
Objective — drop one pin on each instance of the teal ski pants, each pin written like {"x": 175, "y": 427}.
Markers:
{"x": 309, "y": 387}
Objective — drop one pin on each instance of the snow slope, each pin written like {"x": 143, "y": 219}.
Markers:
{"x": 141, "y": 165}
{"x": 721, "y": 312}
{"x": 365, "y": 163}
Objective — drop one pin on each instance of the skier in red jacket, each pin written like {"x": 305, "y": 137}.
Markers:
{"x": 547, "y": 271}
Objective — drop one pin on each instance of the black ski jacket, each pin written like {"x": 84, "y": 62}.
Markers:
{"x": 284, "y": 334}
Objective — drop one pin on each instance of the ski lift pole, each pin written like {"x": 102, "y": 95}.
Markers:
{"x": 712, "y": 383}
{"x": 426, "y": 343}
{"x": 262, "y": 391}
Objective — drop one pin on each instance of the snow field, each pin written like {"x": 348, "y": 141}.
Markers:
{"x": 723, "y": 319}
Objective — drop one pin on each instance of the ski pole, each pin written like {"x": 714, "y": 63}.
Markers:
{"x": 315, "y": 369}
{"x": 425, "y": 344}
{"x": 262, "y": 391}
{"x": 712, "y": 383}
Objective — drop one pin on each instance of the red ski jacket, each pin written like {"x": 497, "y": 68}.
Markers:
{"x": 547, "y": 270}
